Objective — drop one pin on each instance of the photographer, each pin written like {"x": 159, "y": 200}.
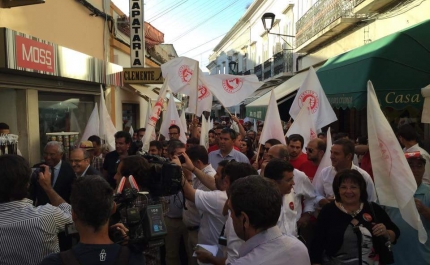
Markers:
{"x": 139, "y": 168}
{"x": 92, "y": 205}
{"x": 28, "y": 233}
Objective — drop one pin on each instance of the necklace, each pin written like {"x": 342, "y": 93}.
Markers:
{"x": 353, "y": 213}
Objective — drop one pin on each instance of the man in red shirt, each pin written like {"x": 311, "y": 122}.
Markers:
{"x": 314, "y": 152}
{"x": 295, "y": 146}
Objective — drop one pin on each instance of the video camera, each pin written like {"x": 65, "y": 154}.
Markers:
{"x": 142, "y": 212}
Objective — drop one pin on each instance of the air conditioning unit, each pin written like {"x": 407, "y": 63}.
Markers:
{"x": 16, "y": 3}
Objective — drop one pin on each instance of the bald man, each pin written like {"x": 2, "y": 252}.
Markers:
{"x": 315, "y": 151}
{"x": 81, "y": 163}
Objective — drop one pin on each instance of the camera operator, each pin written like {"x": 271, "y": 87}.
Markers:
{"x": 139, "y": 168}
{"x": 28, "y": 233}
{"x": 92, "y": 205}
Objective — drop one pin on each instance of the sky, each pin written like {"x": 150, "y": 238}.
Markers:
{"x": 194, "y": 27}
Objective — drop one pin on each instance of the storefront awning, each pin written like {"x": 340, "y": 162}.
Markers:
{"x": 398, "y": 66}
{"x": 284, "y": 94}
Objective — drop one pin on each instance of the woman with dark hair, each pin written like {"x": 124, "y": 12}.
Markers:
{"x": 246, "y": 147}
{"x": 350, "y": 230}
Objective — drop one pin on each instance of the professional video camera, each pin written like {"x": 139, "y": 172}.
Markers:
{"x": 142, "y": 212}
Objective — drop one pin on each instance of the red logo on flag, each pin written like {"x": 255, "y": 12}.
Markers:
{"x": 157, "y": 111}
{"x": 203, "y": 92}
{"x": 367, "y": 217}
{"x": 386, "y": 155}
{"x": 313, "y": 134}
{"x": 185, "y": 73}
{"x": 232, "y": 85}
{"x": 313, "y": 100}
{"x": 291, "y": 206}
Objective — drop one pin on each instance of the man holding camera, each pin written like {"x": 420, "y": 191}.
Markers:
{"x": 27, "y": 233}
{"x": 92, "y": 205}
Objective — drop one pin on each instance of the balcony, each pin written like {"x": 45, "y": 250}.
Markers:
{"x": 248, "y": 72}
{"x": 324, "y": 20}
{"x": 258, "y": 71}
{"x": 283, "y": 63}
{"x": 371, "y": 6}
{"x": 267, "y": 69}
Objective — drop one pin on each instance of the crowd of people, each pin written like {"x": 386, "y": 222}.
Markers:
{"x": 251, "y": 203}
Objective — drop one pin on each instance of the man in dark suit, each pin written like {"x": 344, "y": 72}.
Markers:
{"x": 81, "y": 163}
{"x": 62, "y": 178}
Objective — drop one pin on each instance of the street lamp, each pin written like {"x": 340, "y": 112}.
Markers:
{"x": 232, "y": 66}
{"x": 268, "y": 19}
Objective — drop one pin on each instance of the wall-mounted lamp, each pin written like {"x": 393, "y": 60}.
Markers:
{"x": 268, "y": 19}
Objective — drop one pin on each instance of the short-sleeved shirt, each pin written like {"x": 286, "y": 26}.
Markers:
{"x": 215, "y": 157}
{"x": 210, "y": 204}
{"x": 95, "y": 254}
{"x": 110, "y": 165}
{"x": 309, "y": 169}
{"x": 296, "y": 163}
{"x": 408, "y": 250}
{"x": 272, "y": 247}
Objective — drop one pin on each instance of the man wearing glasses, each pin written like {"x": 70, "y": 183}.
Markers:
{"x": 80, "y": 160}
{"x": 174, "y": 132}
{"x": 62, "y": 178}
{"x": 315, "y": 151}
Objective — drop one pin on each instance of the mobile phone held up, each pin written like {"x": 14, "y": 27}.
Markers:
{"x": 181, "y": 159}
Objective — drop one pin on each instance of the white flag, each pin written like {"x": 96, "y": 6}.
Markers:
{"x": 272, "y": 128}
{"x": 172, "y": 118}
{"x": 93, "y": 125}
{"x": 131, "y": 131}
{"x": 304, "y": 125}
{"x": 204, "y": 134}
{"x": 255, "y": 126}
{"x": 184, "y": 121}
{"x": 325, "y": 161}
{"x": 181, "y": 75}
{"x": 230, "y": 90}
{"x": 154, "y": 116}
{"x": 394, "y": 181}
{"x": 322, "y": 112}
{"x": 107, "y": 129}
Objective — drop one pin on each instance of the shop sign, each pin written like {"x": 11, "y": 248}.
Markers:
{"x": 34, "y": 55}
{"x": 393, "y": 97}
{"x": 137, "y": 37}
{"x": 143, "y": 76}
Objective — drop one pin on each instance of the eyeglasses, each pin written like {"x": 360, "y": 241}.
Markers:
{"x": 76, "y": 160}
{"x": 309, "y": 150}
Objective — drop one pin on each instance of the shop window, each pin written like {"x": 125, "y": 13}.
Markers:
{"x": 130, "y": 114}
{"x": 63, "y": 113}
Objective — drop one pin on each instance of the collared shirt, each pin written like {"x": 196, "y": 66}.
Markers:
{"x": 83, "y": 173}
{"x": 192, "y": 216}
{"x": 408, "y": 250}
{"x": 97, "y": 162}
{"x": 291, "y": 210}
{"x": 323, "y": 183}
{"x": 56, "y": 170}
{"x": 210, "y": 204}
{"x": 426, "y": 156}
{"x": 271, "y": 247}
{"x": 28, "y": 233}
{"x": 231, "y": 251}
{"x": 215, "y": 157}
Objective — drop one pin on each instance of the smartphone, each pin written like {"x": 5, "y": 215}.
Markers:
{"x": 181, "y": 159}
{"x": 42, "y": 170}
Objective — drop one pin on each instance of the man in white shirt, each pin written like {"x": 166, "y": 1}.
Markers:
{"x": 255, "y": 204}
{"x": 342, "y": 153}
{"x": 408, "y": 137}
{"x": 192, "y": 217}
{"x": 212, "y": 203}
{"x": 292, "y": 215}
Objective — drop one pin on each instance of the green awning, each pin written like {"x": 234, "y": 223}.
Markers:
{"x": 398, "y": 66}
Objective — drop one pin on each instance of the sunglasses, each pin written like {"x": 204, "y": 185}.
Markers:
{"x": 309, "y": 150}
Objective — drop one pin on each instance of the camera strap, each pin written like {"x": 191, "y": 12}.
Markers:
{"x": 69, "y": 258}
